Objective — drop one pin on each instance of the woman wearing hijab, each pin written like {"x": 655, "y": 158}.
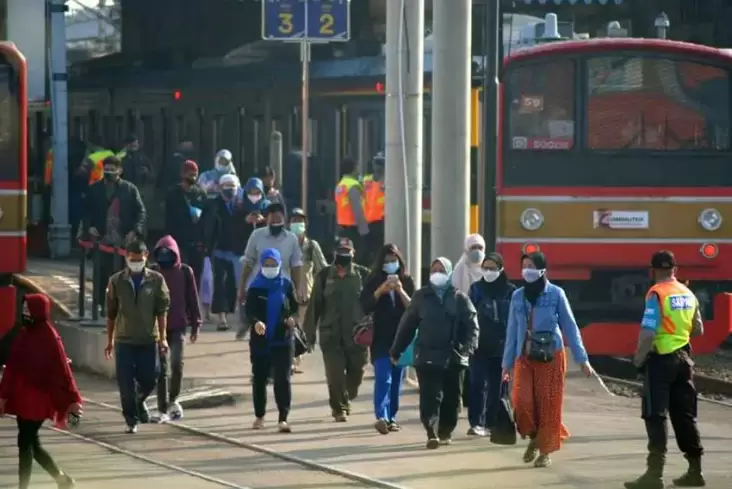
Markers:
{"x": 491, "y": 296}
{"x": 37, "y": 385}
{"x": 271, "y": 307}
{"x": 446, "y": 328}
{"x": 386, "y": 295}
{"x": 540, "y": 319}
{"x": 468, "y": 268}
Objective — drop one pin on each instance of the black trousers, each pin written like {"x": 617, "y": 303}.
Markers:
{"x": 375, "y": 241}
{"x": 669, "y": 391}
{"x": 439, "y": 399}
{"x": 224, "y": 293}
{"x": 29, "y": 449}
{"x": 191, "y": 256}
{"x": 277, "y": 363}
{"x": 359, "y": 243}
{"x": 108, "y": 265}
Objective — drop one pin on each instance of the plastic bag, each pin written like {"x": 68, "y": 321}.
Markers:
{"x": 504, "y": 430}
{"x": 407, "y": 358}
{"x": 206, "y": 289}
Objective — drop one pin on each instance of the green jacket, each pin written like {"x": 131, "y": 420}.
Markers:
{"x": 334, "y": 307}
{"x": 135, "y": 313}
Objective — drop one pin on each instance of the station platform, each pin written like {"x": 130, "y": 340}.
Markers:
{"x": 607, "y": 446}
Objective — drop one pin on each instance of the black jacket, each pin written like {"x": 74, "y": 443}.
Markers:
{"x": 226, "y": 230}
{"x": 387, "y": 312}
{"x": 136, "y": 167}
{"x": 256, "y": 310}
{"x": 448, "y": 329}
{"x": 178, "y": 220}
{"x": 132, "y": 213}
{"x": 493, "y": 302}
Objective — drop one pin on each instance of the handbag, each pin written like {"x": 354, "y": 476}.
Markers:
{"x": 407, "y": 358}
{"x": 363, "y": 332}
{"x": 504, "y": 429}
{"x": 540, "y": 345}
{"x": 300, "y": 340}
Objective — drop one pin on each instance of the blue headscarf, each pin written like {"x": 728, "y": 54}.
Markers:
{"x": 276, "y": 290}
{"x": 447, "y": 265}
{"x": 260, "y": 206}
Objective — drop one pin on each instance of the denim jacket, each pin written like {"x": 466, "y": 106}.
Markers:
{"x": 551, "y": 313}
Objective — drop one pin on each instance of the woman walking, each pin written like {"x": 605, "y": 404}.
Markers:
{"x": 386, "y": 295}
{"x": 539, "y": 318}
{"x": 271, "y": 307}
{"x": 491, "y": 297}
{"x": 448, "y": 335}
{"x": 37, "y": 385}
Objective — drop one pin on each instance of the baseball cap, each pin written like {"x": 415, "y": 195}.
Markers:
{"x": 275, "y": 207}
{"x": 297, "y": 212}
{"x": 344, "y": 244}
{"x": 663, "y": 260}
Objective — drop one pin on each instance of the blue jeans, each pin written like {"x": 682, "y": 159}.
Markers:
{"x": 388, "y": 380}
{"x": 485, "y": 390}
{"x": 137, "y": 368}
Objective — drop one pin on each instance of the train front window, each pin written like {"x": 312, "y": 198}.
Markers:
{"x": 9, "y": 123}
{"x": 541, "y": 106}
{"x": 653, "y": 103}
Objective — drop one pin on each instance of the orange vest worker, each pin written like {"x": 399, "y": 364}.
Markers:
{"x": 96, "y": 172}
{"x": 374, "y": 198}
{"x": 344, "y": 214}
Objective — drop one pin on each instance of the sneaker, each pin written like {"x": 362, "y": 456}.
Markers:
{"x": 160, "y": 418}
{"x": 241, "y": 334}
{"x": 382, "y": 426}
{"x": 143, "y": 412}
{"x": 446, "y": 441}
{"x": 476, "y": 431}
{"x": 65, "y": 482}
{"x": 531, "y": 452}
{"x": 283, "y": 427}
{"x": 175, "y": 411}
{"x": 222, "y": 326}
{"x": 258, "y": 424}
{"x": 340, "y": 418}
{"x": 433, "y": 443}
{"x": 542, "y": 461}
{"x": 131, "y": 429}
{"x": 394, "y": 427}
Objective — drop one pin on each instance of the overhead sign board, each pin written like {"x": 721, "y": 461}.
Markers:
{"x": 306, "y": 20}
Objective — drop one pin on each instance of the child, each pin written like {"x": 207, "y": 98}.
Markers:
{"x": 37, "y": 385}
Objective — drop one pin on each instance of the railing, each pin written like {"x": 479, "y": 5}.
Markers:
{"x": 95, "y": 249}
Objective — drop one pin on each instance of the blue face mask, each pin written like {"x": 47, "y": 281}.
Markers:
{"x": 391, "y": 267}
{"x": 228, "y": 193}
{"x": 531, "y": 275}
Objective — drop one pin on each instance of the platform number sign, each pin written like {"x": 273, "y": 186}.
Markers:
{"x": 306, "y": 20}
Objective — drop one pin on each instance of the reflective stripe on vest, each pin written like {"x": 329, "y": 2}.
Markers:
{"x": 344, "y": 213}
{"x": 678, "y": 305}
{"x": 97, "y": 158}
{"x": 374, "y": 199}
{"x": 48, "y": 168}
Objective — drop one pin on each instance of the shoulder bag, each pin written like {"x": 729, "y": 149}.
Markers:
{"x": 540, "y": 345}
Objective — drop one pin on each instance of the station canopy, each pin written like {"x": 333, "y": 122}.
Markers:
{"x": 571, "y": 2}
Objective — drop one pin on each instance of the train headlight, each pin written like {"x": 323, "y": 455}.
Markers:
{"x": 710, "y": 219}
{"x": 532, "y": 219}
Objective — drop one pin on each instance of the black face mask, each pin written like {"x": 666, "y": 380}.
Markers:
{"x": 276, "y": 229}
{"x": 165, "y": 258}
{"x": 111, "y": 177}
{"x": 191, "y": 180}
{"x": 343, "y": 260}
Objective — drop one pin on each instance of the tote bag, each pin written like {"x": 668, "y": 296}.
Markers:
{"x": 407, "y": 358}
{"x": 504, "y": 430}
{"x": 206, "y": 292}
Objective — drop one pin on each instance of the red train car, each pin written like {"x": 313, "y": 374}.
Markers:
{"x": 611, "y": 149}
{"x": 13, "y": 176}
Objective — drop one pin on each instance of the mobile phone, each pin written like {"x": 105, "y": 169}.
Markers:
{"x": 392, "y": 278}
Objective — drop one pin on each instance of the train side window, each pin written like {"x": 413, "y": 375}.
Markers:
{"x": 313, "y": 137}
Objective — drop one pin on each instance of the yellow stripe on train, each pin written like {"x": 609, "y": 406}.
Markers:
{"x": 474, "y": 216}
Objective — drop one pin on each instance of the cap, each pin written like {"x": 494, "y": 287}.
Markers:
{"x": 131, "y": 138}
{"x": 379, "y": 158}
{"x": 297, "y": 212}
{"x": 344, "y": 244}
{"x": 275, "y": 207}
{"x": 663, "y": 260}
{"x": 189, "y": 165}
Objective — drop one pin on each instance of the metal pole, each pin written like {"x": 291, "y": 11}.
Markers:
{"x": 404, "y": 127}
{"x": 492, "y": 54}
{"x": 60, "y": 229}
{"x": 305, "y": 59}
{"x": 275, "y": 156}
{"x": 451, "y": 84}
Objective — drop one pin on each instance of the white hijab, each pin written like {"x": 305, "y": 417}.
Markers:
{"x": 466, "y": 273}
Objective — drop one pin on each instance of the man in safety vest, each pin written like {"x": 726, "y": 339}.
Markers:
{"x": 374, "y": 200}
{"x": 663, "y": 357}
{"x": 349, "y": 201}
{"x": 93, "y": 164}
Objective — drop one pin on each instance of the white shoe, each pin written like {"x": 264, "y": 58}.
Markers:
{"x": 160, "y": 418}
{"x": 175, "y": 411}
{"x": 131, "y": 429}
{"x": 283, "y": 427}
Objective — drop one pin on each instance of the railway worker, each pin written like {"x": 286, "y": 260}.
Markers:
{"x": 663, "y": 357}
{"x": 37, "y": 385}
{"x": 272, "y": 308}
{"x": 184, "y": 312}
{"x": 374, "y": 200}
{"x": 468, "y": 271}
{"x": 136, "y": 166}
{"x": 349, "y": 202}
{"x": 448, "y": 335}
{"x": 386, "y": 295}
{"x": 137, "y": 314}
{"x": 184, "y": 205}
{"x": 225, "y": 220}
{"x": 93, "y": 164}
{"x": 491, "y": 296}
{"x": 313, "y": 261}
{"x": 115, "y": 215}
{"x": 211, "y": 179}
{"x": 333, "y": 311}
{"x": 540, "y": 315}
{"x": 168, "y": 173}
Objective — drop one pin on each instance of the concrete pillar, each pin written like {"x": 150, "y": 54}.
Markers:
{"x": 450, "y": 183}
{"x": 276, "y": 156}
{"x": 404, "y": 115}
{"x": 60, "y": 230}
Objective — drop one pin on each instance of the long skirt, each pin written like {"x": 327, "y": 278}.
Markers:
{"x": 538, "y": 395}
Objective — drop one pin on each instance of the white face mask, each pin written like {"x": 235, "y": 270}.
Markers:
{"x": 222, "y": 167}
{"x": 491, "y": 275}
{"x": 254, "y": 198}
{"x": 135, "y": 266}
{"x": 531, "y": 275}
{"x": 476, "y": 256}
{"x": 270, "y": 272}
{"x": 439, "y": 279}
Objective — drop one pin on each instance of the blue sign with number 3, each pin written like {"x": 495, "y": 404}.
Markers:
{"x": 306, "y": 20}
